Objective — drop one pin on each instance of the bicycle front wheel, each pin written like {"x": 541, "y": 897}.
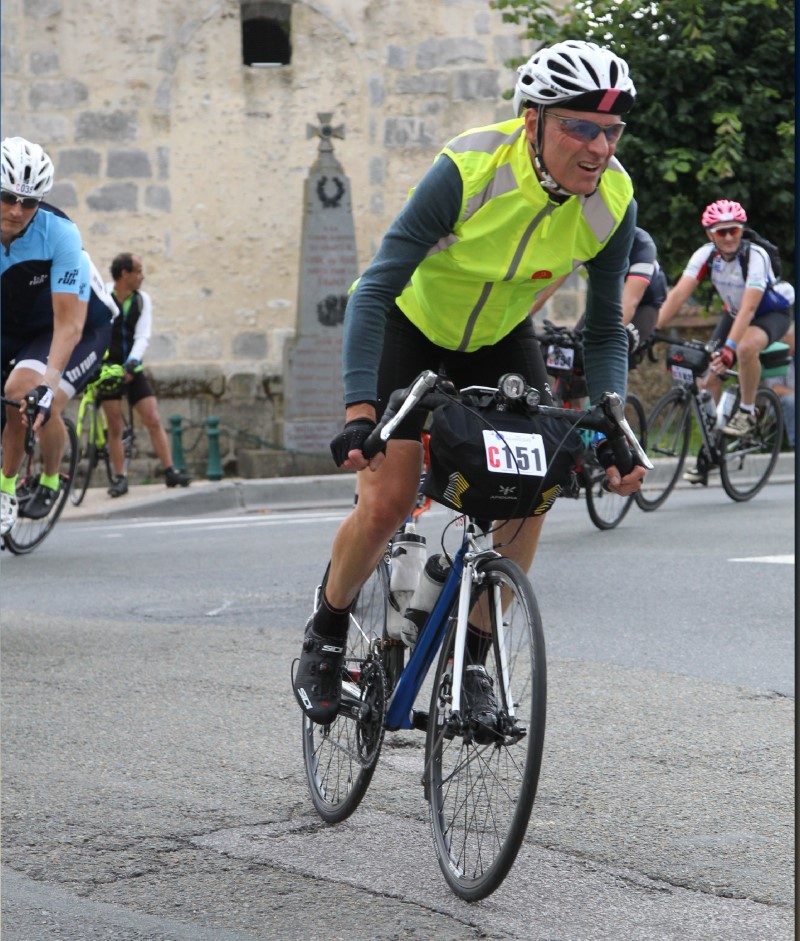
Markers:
{"x": 340, "y": 758}
{"x": 481, "y": 795}
{"x": 747, "y": 462}
{"x": 87, "y": 455}
{"x": 607, "y": 510}
{"x": 27, "y": 533}
{"x": 668, "y": 428}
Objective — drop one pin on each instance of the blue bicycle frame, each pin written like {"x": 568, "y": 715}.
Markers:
{"x": 399, "y": 712}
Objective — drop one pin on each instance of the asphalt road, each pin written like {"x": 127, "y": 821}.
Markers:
{"x": 153, "y": 785}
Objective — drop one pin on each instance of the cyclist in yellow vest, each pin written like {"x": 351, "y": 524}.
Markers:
{"x": 504, "y": 211}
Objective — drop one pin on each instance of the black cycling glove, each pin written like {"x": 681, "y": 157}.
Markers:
{"x": 42, "y": 398}
{"x": 350, "y": 438}
{"x": 133, "y": 366}
{"x": 606, "y": 459}
{"x": 633, "y": 338}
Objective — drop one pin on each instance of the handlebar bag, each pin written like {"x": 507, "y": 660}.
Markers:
{"x": 687, "y": 357}
{"x": 498, "y": 464}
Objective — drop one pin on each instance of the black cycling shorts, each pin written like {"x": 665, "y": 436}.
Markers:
{"x": 774, "y": 324}
{"x": 83, "y": 363}
{"x": 407, "y": 352}
{"x": 136, "y": 390}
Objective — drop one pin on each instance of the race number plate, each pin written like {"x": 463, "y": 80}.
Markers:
{"x": 560, "y": 357}
{"x": 515, "y": 452}
{"x": 681, "y": 373}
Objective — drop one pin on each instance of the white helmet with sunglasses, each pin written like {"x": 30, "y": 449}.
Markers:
{"x": 575, "y": 76}
{"x": 27, "y": 171}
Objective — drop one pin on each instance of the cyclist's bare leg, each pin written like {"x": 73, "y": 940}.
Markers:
{"x": 713, "y": 383}
{"x": 749, "y": 365}
{"x": 147, "y": 410}
{"x": 53, "y": 435}
{"x": 385, "y": 498}
{"x": 113, "y": 410}
{"x": 521, "y": 549}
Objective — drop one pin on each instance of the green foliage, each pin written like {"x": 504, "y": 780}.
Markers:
{"x": 714, "y": 114}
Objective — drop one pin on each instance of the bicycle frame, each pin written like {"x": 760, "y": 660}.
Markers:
{"x": 89, "y": 397}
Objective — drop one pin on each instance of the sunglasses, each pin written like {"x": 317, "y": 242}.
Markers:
{"x": 731, "y": 230}
{"x": 581, "y": 130}
{"x": 11, "y": 199}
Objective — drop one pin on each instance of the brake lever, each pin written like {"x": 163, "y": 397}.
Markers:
{"x": 614, "y": 408}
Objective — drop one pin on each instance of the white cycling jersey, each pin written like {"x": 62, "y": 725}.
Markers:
{"x": 726, "y": 276}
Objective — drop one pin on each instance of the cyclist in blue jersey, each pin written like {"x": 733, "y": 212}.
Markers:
{"x": 504, "y": 211}
{"x": 56, "y": 320}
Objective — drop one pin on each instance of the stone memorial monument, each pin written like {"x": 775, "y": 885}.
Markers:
{"x": 312, "y": 363}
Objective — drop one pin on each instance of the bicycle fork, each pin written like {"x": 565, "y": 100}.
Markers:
{"x": 470, "y": 576}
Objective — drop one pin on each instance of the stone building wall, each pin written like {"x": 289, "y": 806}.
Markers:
{"x": 167, "y": 145}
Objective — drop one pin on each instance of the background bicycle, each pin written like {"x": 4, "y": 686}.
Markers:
{"x": 481, "y": 769}
{"x": 92, "y": 430}
{"x": 27, "y": 533}
{"x": 686, "y": 419}
{"x": 562, "y": 348}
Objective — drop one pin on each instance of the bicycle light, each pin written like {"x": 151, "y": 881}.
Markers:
{"x": 532, "y": 398}
{"x": 512, "y": 386}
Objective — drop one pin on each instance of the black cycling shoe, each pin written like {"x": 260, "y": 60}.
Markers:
{"x": 317, "y": 681}
{"x": 176, "y": 478}
{"x": 119, "y": 487}
{"x": 480, "y": 703}
{"x": 39, "y": 504}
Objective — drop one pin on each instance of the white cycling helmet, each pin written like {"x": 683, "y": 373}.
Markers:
{"x": 576, "y": 76}
{"x": 26, "y": 168}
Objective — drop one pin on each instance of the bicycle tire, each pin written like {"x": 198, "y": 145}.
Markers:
{"x": 477, "y": 845}
{"x": 758, "y": 453}
{"x": 87, "y": 454}
{"x": 340, "y": 758}
{"x": 668, "y": 428}
{"x": 607, "y": 510}
{"x": 27, "y": 534}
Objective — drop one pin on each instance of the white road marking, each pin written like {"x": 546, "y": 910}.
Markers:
{"x": 774, "y": 559}
{"x": 215, "y": 611}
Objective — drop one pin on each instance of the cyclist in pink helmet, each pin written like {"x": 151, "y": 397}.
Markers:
{"x": 723, "y": 210}
{"x": 756, "y": 308}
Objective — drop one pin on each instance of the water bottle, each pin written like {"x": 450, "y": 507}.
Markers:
{"x": 407, "y": 562}
{"x": 430, "y": 585}
{"x": 708, "y": 409}
{"x": 725, "y": 409}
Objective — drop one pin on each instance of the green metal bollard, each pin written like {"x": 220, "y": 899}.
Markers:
{"x": 176, "y": 433}
{"x": 214, "y": 468}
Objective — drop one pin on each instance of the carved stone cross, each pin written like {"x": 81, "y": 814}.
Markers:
{"x": 325, "y": 131}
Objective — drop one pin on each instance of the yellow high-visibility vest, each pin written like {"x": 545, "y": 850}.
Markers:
{"x": 510, "y": 241}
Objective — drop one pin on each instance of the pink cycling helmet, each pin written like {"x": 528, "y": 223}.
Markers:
{"x": 723, "y": 210}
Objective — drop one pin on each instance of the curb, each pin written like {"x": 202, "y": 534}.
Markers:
{"x": 278, "y": 493}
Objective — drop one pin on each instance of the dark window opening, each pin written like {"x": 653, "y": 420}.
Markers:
{"x": 266, "y": 33}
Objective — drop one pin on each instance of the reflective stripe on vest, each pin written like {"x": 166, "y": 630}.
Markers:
{"x": 510, "y": 242}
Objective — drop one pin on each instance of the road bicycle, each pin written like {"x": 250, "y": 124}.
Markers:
{"x": 479, "y": 778}
{"x": 27, "y": 533}
{"x": 688, "y": 412}
{"x": 92, "y": 431}
{"x": 562, "y": 348}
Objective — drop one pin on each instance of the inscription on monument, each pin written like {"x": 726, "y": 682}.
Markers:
{"x": 313, "y": 397}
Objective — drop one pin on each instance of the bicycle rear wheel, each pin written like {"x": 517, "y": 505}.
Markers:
{"x": 28, "y": 533}
{"x": 481, "y": 795}
{"x": 87, "y": 455}
{"x": 748, "y": 462}
{"x": 668, "y": 428}
{"x": 340, "y": 758}
{"x": 607, "y": 510}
